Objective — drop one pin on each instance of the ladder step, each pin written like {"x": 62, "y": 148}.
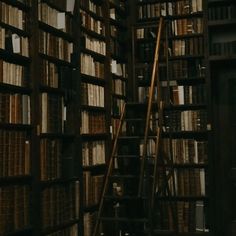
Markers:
{"x": 157, "y": 232}
{"x": 124, "y": 219}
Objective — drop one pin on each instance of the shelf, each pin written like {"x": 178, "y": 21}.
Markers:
{"x": 92, "y": 79}
{"x": 13, "y": 29}
{"x": 94, "y": 15}
{"x": 55, "y": 31}
{"x": 93, "y": 33}
{"x": 15, "y": 180}
{"x": 56, "y": 7}
{"x": 93, "y": 108}
{"x": 117, "y": 23}
{"x": 17, "y": 4}
{"x": 91, "y": 208}
{"x": 119, "y": 96}
{"x": 15, "y": 126}
{"x": 20, "y": 232}
{"x": 224, "y": 23}
{"x": 186, "y": 80}
{"x": 119, "y": 77}
{"x": 95, "y": 167}
{"x": 94, "y": 136}
{"x": 222, "y": 58}
{"x": 185, "y": 107}
{"x": 14, "y": 58}
{"x": 220, "y": 2}
{"x": 186, "y": 36}
{"x": 10, "y": 88}
{"x": 183, "y": 198}
{"x": 118, "y": 58}
{"x": 57, "y": 135}
{"x": 96, "y": 55}
{"x": 121, "y": 11}
{"x": 186, "y": 57}
{"x": 56, "y": 60}
{"x": 186, "y": 165}
{"x": 52, "y": 90}
{"x": 46, "y": 183}
{"x": 186, "y": 134}
{"x": 59, "y": 227}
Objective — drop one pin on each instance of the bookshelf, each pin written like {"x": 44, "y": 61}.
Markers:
{"x": 94, "y": 69}
{"x": 118, "y": 34}
{"x": 183, "y": 84}
{"x": 221, "y": 73}
{"x": 15, "y": 121}
{"x": 58, "y": 181}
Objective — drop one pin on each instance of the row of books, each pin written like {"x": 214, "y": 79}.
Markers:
{"x": 15, "y": 153}
{"x": 181, "y": 95}
{"x": 223, "y": 48}
{"x": 143, "y": 94}
{"x": 92, "y": 188}
{"x": 15, "y": 108}
{"x": 13, "y": 16}
{"x": 115, "y": 125}
{"x": 93, "y": 153}
{"x": 93, "y": 123}
{"x": 93, "y": 7}
{"x": 90, "y": 66}
{"x": 187, "y": 68}
{"x": 191, "y": 120}
{"x": 188, "y": 47}
{"x": 119, "y": 69}
{"x": 69, "y": 231}
{"x": 51, "y": 74}
{"x": 93, "y": 44}
{"x": 151, "y": 147}
{"x": 180, "y": 7}
{"x": 13, "y": 74}
{"x": 50, "y": 159}
{"x": 54, "y": 46}
{"x": 117, "y": 105}
{"x": 222, "y": 12}
{"x": 89, "y": 223}
{"x": 14, "y": 43}
{"x": 185, "y": 182}
{"x": 53, "y": 113}
{"x": 60, "y": 204}
{"x": 187, "y": 26}
{"x": 91, "y": 23}
{"x": 119, "y": 87}
{"x": 92, "y": 95}
{"x": 146, "y": 32}
{"x": 57, "y": 19}
{"x": 185, "y": 151}
{"x": 116, "y": 48}
{"x": 190, "y": 216}
{"x": 14, "y": 208}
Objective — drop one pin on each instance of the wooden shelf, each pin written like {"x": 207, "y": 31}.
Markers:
{"x": 13, "y": 29}
{"x": 14, "y": 58}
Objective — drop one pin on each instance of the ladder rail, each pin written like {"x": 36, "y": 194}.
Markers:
{"x": 151, "y": 92}
{"x": 109, "y": 170}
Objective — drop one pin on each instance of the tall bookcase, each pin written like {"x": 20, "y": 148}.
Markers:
{"x": 94, "y": 104}
{"x": 183, "y": 90}
{"x": 221, "y": 52}
{"x": 15, "y": 121}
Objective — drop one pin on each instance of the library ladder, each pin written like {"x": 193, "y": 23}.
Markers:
{"x": 127, "y": 205}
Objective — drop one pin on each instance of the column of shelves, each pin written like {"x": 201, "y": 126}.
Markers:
{"x": 15, "y": 119}
{"x": 59, "y": 181}
{"x": 183, "y": 89}
{"x": 221, "y": 74}
{"x": 118, "y": 56}
{"x": 185, "y": 116}
{"x": 94, "y": 130}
